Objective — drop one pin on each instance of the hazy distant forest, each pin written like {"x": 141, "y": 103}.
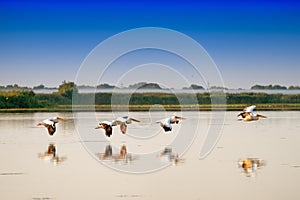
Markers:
{"x": 29, "y": 99}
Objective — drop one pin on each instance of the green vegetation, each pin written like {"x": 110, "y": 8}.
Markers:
{"x": 28, "y": 99}
{"x": 194, "y": 87}
{"x": 294, "y": 87}
{"x": 268, "y": 87}
{"x": 105, "y": 86}
{"x": 20, "y": 99}
{"x": 143, "y": 85}
{"x": 62, "y": 100}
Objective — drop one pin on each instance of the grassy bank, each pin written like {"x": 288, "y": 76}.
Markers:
{"x": 28, "y": 101}
{"x": 200, "y": 107}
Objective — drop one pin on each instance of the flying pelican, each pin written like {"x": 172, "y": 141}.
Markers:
{"x": 50, "y": 124}
{"x": 107, "y": 126}
{"x": 123, "y": 121}
{"x": 166, "y": 123}
{"x": 248, "y": 114}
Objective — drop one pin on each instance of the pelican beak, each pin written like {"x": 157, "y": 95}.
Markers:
{"x": 261, "y": 116}
{"x": 39, "y": 124}
{"x": 60, "y": 119}
{"x": 100, "y": 126}
{"x": 180, "y": 118}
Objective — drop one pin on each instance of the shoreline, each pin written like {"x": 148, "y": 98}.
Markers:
{"x": 136, "y": 108}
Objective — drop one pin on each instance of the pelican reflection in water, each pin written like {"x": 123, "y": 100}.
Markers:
{"x": 169, "y": 156}
{"x": 250, "y": 165}
{"x": 51, "y": 155}
{"x": 122, "y": 156}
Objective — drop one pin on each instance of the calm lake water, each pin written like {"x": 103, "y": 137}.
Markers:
{"x": 80, "y": 169}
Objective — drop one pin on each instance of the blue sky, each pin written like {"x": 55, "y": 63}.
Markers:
{"x": 251, "y": 42}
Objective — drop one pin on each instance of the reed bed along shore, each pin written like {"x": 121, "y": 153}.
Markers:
{"x": 197, "y": 107}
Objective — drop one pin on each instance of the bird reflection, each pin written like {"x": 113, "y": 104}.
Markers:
{"x": 122, "y": 156}
{"x": 250, "y": 165}
{"x": 51, "y": 155}
{"x": 169, "y": 156}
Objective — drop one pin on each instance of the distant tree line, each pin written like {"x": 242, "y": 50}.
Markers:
{"x": 64, "y": 96}
{"x": 274, "y": 87}
{"x": 28, "y": 99}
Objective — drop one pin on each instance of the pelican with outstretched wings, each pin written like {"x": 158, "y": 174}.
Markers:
{"x": 166, "y": 123}
{"x": 107, "y": 126}
{"x": 249, "y": 115}
{"x": 50, "y": 124}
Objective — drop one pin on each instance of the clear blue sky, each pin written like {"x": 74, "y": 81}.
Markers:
{"x": 252, "y": 42}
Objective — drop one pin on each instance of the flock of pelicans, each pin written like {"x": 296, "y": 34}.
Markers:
{"x": 166, "y": 124}
{"x": 249, "y": 165}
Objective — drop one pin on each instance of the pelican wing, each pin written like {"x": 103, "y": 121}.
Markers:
{"x": 135, "y": 120}
{"x": 48, "y": 121}
{"x": 123, "y": 127}
{"x": 107, "y": 126}
{"x": 108, "y": 130}
{"x": 243, "y": 114}
{"x": 249, "y": 109}
{"x": 51, "y": 128}
{"x": 178, "y": 118}
{"x": 175, "y": 119}
{"x": 164, "y": 122}
{"x": 121, "y": 119}
{"x": 248, "y": 117}
{"x": 261, "y": 116}
{"x": 125, "y": 119}
{"x": 55, "y": 119}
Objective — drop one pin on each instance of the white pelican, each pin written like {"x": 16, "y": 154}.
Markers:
{"x": 249, "y": 115}
{"x": 166, "y": 123}
{"x": 107, "y": 126}
{"x": 50, "y": 124}
{"x": 123, "y": 121}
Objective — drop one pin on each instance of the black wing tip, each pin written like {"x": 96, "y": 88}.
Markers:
{"x": 167, "y": 128}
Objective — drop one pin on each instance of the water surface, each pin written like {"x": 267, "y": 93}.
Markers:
{"x": 28, "y": 171}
